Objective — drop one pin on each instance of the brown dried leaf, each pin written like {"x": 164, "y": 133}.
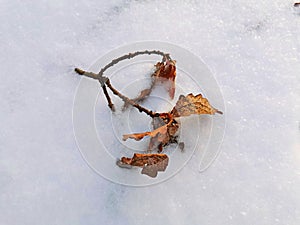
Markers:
{"x": 151, "y": 163}
{"x": 166, "y": 73}
{"x": 161, "y": 132}
{"x": 190, "y": 104}
{"x": 165, "y": 129}
{"x": 158, "y": 142}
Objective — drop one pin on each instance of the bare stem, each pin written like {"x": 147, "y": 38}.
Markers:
{"x": 110, "y": 104}
{"x": 129, "y": 101}
{"x": 104, "y": 81}
{"x": 107, "y": 83}
{"x": 101, "y": 80}
{"x": 132, "y": 55}
{"x": 143, "y": 94}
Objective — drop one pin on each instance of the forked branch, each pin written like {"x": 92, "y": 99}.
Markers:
{"x": 106, "y": 82}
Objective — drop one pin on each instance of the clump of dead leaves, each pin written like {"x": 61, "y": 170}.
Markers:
{"x": 165, "y": 129}
{"x": 166, "y": 124}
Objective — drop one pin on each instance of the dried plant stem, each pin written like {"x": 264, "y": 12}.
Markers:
{"x": 132, "y": 55}
{"x": 130, "y": 101}
{"x": 110, "y": 104}
{"x": 143, "y": 94}
{"x": 106, "y": 82}
{"x": 101, "y": 80}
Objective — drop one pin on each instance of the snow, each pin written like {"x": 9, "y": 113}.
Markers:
{"x": 251, "y": 47}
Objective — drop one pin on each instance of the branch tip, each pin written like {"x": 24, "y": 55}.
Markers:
{"x": 79, "y": 71}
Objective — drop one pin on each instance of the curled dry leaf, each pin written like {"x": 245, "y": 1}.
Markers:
{"x": 166, "y": 73}
{"x": 151, "y": 163}
{"x": 165, "y": 128}
{"x": 190, "y": 104}
{"x": 158, "y": 142}
{"x": 161, "y": 131}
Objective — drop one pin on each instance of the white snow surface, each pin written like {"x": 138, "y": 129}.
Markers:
{"x": 252, "y": 48}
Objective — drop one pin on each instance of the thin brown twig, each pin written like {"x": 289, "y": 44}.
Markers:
{"x": 104, "y": 80}
{"x": 131, "y": 102}
{"x": 107, "y": 83}
{"x": 110, "y": 104}
{"x": 129, "y": 56}
{"x": 101, "y": 79}
{"x": 132, "y": 55}
{"x": 142, "y": 96}
{"x": 146, "y": 92}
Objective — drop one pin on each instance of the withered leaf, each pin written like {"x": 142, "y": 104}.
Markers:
{"x": 166, "y": 73}
{"x": 165, "y": 128}
{"x": 151, "y": 163}
{"x": 158, "y": 142}
{"x": 161, "y": 131}
{"x": 190, "y": 104}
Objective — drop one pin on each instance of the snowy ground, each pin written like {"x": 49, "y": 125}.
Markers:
{"x": 252, "y": 48}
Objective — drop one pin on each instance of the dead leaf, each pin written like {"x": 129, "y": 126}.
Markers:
{"x": 151, "y": 163}
{"x": 165, "y": 128}
{"x": 166, "y": 73}
{"x": 158, "y": 142}
{"x": 190, "y": 104}
{"x": 161, "y": 131}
